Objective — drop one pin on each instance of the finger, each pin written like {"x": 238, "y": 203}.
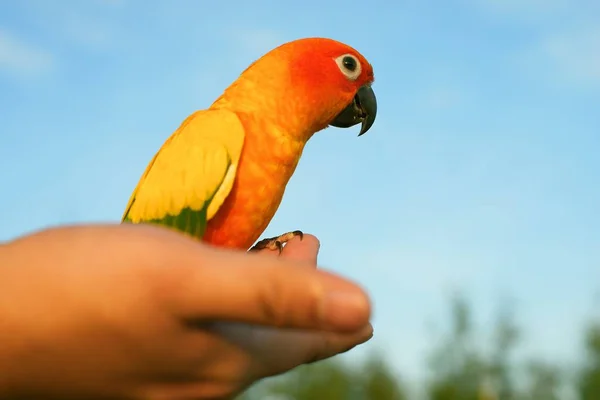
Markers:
{"x": 310, "y": 347}
{"x": 333, "y": 344}
{"x": 217, "y": 284}
{"x": 305, "y": 250}
{"x": 268, "y": 252}
{"x": 315, "y": 346}
{"x": 307, "y": 346}
{"x": 199, "y": 282}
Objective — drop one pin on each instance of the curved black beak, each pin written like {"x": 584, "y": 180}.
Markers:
{"x": 363, "y": 108}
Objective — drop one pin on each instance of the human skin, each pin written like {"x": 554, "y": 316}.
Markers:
{"x": 141, "y": 312}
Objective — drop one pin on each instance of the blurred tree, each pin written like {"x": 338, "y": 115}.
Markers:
{"x": 378, "y": 381}
{"x": 333, "y": 380}
{"x": 589, "y": 379}
{"x": 506, "y": 335}
{"x": 544, "y": 382}
{"x": 323, "y": 380}
{"x": 459, "y": 370}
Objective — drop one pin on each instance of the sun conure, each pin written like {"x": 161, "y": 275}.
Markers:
{"x": 221, "y": 175}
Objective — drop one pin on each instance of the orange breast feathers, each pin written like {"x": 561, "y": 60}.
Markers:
{"x": 282, "y": 99}
{"x": 263, "y": 172}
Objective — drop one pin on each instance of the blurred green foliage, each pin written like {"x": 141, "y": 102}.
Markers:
{"x": 462, "y": 367}
{"x": 589, "y": 378}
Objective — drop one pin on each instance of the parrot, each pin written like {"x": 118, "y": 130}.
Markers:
{"x": 221, "y": 176}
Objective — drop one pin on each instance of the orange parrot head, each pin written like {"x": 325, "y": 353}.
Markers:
{"x": 306, "y": 85}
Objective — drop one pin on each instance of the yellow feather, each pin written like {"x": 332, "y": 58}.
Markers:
{"x": 194, "y": 168}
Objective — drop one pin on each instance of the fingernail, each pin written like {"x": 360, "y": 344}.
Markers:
{"x": 365, "y": 335}
{"x": 346, "y": 310}
{"x": 368, "y": 333}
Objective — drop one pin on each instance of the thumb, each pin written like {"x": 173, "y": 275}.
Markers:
{"x": 217, "y": 284}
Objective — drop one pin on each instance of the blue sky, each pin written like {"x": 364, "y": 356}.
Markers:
{"x": 480, "y": 173}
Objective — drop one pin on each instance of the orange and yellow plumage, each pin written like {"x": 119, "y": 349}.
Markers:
{"x": 222, "y": 175}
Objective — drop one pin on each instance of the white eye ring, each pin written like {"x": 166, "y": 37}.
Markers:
{"x": 349, "y": 65}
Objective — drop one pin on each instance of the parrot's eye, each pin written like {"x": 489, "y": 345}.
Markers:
{"x": 349, "y": 65}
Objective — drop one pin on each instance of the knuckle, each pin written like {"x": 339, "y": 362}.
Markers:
{"x": 288, "y": 302}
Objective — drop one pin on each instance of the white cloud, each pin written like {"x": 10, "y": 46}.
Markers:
{"x": 575, "y": 53}
{"x": 19, "y": 57}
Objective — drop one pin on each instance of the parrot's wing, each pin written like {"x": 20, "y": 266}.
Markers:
{"x": 192, "y": 174}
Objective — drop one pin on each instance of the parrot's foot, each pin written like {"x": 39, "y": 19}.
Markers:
{"x": 276, "y": 243}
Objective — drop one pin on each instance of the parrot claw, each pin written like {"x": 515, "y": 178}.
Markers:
{"x": 277, "y": 242}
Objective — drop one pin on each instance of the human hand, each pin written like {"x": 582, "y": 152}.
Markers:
{"x": 276, "y": 350}
{"x": 139, "y": 312}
